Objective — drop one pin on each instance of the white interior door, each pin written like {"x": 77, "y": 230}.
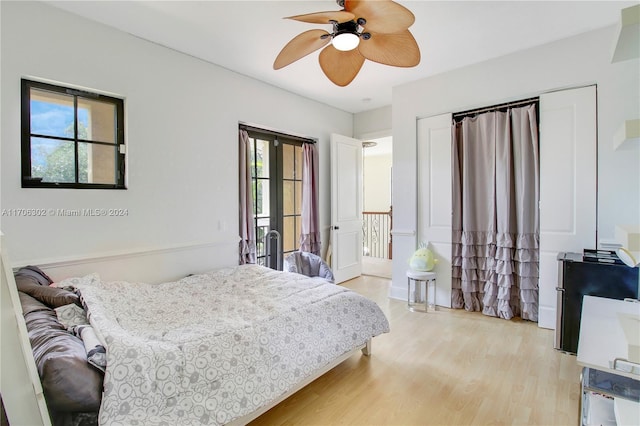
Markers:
{"x": 567, "y": 186}
{"x": 346, "y": 207}
{"x": 435, "y": 197}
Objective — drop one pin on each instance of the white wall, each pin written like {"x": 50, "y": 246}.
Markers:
{"x": 377, "y": 182}
{"x": 372, "y": 124}
{"x": 182, "y": 118}
{"x": 577, "y": 61}
{"x": 375, "y": 124}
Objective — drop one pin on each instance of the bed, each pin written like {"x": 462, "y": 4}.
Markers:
{"x": 215, "y": 348}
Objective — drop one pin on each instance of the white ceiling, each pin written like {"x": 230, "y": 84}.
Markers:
{"x": 246, "y": 36}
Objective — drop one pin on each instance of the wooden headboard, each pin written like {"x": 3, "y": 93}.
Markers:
{"x": 20, "y": 385}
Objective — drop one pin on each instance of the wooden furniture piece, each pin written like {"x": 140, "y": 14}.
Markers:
{"x": 417, "y": 300}
{"x": 610, "y": 379}
{"x": 20, "y": 386}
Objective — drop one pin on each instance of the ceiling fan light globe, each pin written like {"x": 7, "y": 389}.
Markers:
{"x": 346, "y": 41}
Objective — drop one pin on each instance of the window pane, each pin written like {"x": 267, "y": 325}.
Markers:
{"x": 288, "y": 164}
{"x": 298, "y": 197}
{"x": 51, "y": 113}
{"x": 252, "y": 156}
{"x": 263, "y": 223}
{"x": 261, "y": 199}
{"x": 53, "y": 160}
{"x": 96, "y": 163}
{"x": 96, "y": 120}
{"x": 54, "y": 113}
{"x": 289, "y": 234}
{"x": 298, "y": 231}
{"x": 261, "y": 230}
{"x": 288, "y": 200}
{"x": 299, "y": 162}
{"x": 261, "y": 161}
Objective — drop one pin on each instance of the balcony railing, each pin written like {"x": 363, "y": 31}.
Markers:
{"x": 376, "y": 234}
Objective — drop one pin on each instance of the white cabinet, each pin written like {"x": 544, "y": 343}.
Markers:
{"x": 610, "y": 381}
{"x": 607, "y": 398}
{"x": 628, "y": 41}
{"x": 628, "y": 134}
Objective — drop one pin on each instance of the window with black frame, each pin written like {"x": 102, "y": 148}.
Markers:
{"x": 71, "y": 138}
{"x": 276, "y": 172}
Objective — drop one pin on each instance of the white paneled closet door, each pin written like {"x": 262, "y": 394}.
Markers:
{"x": 567, "y": 189}
{"x": 435, "y": 198}
{"x": 568, "y": 159}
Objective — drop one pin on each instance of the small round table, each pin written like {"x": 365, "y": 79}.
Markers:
{"x": 420, "y": 302}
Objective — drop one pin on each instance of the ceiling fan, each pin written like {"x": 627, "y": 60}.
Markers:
{"x": 367, "y": 29}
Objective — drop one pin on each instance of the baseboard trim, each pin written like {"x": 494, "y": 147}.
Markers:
{"x": 546, "y": 317}
{"x": 399, "y": 293}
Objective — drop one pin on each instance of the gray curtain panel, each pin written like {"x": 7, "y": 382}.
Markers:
{"x": 247, "y": 249}
{"x": 310, "y": 229}
{"x": 495, "y": 213}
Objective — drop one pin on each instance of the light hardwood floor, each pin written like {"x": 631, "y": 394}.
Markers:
{"x": 377, "y": 267}
{"x": 449, "y": 367}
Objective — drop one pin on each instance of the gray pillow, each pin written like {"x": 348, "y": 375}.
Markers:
{"x": 36, "y": 273}
{"x": 69, "y": 382}
{"x": 36, "y": 285}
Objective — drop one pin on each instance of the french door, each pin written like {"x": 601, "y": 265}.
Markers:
{"x": 276, "y": 172}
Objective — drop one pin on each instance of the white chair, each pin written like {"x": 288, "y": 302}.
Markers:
{"x": 420, "y": 301}
{"x": 308, "y": 264}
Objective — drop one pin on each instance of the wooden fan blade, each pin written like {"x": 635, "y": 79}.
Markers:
{"x": 300, "y": 46}
{"x": 398, "y": 49}
{"x": 382, "y": 16}
{"x": 339, "y": 66}
{"x": 339, "y": 16}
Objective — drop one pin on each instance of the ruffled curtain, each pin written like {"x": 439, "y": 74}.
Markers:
{"x": 310, "y": 229}
{"x": 495, "y": 213}
{"x": 247, "y": 249}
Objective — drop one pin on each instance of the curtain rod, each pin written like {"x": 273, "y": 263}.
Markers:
{"x": 276, "y": 133}
{"x": 460, "y": 115}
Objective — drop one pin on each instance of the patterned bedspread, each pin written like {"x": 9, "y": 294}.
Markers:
{"x": 213, "y": 347}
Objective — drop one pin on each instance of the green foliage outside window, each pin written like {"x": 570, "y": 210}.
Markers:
{"x": 60, "y": 163}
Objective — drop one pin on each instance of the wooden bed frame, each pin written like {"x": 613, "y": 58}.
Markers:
{"x": 20, "y": 385}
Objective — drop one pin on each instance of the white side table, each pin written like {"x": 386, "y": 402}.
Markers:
{"x": 417, "y": 301}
